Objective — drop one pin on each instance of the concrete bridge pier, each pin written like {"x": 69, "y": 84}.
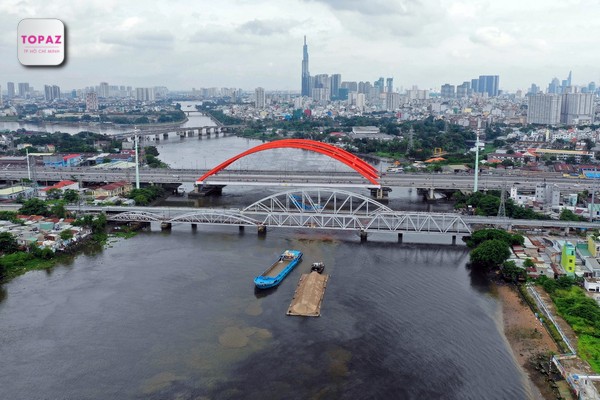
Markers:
{"x": 194, "y": 227}
{"x": 166, "y": 135}
{"x": 453, "y": 240}
{"x": 181, "y": 134}
{"x": 241, "y": 228}
{"x": 165, "y": 226}
{"x": 157, "y": 137}
{"x": 262, "y": 230}
{"x": 363, "y": 236}
{"x": 400, "y": 237}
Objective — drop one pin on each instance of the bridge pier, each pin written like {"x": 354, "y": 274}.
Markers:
{"x": 166, "y": 135}
{"x": 241, "y": 228}
{"x": 194, "y": 227}
{"x": 262, "y": 230}
{"x": 157, "y": 137}
{"x": 400, "y": 237}
{"x": 165, "y": 226}
{"x": 363, "y": 236}
{"x": 453, "y": 240}
{"x": 181, "y": 134}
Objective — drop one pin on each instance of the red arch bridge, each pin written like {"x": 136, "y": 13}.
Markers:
{"x": 324, "y": 209}
{"x": 369, "y": 176}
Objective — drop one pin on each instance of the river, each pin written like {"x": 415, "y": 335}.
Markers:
{"x": 176, "y": 316}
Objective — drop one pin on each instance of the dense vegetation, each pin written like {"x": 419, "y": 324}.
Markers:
{"x": 581, "y": 312}
{"x": 15, "y": 260}
{"x": 488, "y": 204}
{"x": 145, "y": 196}
{"x": 82, "y": 142}
{"x": 152, "y": 160}
{"x": 491, "y": 247}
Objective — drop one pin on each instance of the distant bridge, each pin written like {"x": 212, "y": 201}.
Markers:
{"x": 187, "y": 131}
{"x": 325, "y": 209}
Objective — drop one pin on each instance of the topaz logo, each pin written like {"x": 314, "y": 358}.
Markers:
{"x": 41, "y": 41}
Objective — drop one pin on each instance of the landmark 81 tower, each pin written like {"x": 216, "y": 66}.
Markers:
{"x": 305, "y": 73}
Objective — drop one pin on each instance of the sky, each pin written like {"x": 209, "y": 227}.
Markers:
{"x": 251, "y": 43}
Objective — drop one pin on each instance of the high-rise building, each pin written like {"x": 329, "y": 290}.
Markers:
{"x": 389, "y": 85}
{"x": 144, "y": 94}
{"x": 463, "y": 90}
{"x": 351, "y": 86}
{"x": 91, "y": 101}
{"x": 23, "y": 89}
{"x": 448, "y": 91}
{"x": 554, "y": 86}
{"x": 334, "y": 85}
{"x": 534, "y": 89}
{"x": 392, "y": 101}
{"x": 379, "y": 85}
{"x": 259, "y": 98}
{"x": 305, "y": 74}
{"x": 10, "y": 90}
{"x": 475, "y": 85}
{"x": 544, "y": 109}
{"x": 360, "y": 101}
{"x": 51, "y": 92}
{"x": 103, "y": 90}
{"x": 488, "y": 84}
{"x": 577, "y": 108}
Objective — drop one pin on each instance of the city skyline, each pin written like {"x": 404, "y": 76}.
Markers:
{"x": 259, "y": 44}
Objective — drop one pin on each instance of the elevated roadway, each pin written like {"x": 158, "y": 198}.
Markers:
{"x": 306, "y": 178}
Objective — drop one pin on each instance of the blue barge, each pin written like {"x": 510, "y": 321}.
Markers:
{"x": 279, "y": 270}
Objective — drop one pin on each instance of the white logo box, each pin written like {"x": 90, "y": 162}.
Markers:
{"x": 41, "y": 41}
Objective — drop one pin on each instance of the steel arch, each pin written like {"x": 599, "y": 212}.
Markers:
{"x": 318, "y": 201}
{"x": 362, "y": 167}
{"x": 215, "y": 216}
{"x": 137, "y": 216}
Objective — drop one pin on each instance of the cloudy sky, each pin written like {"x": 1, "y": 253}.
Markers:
{"x": 250, "y": 43}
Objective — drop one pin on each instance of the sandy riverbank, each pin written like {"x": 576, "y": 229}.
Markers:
{"x": 527, "y": 338}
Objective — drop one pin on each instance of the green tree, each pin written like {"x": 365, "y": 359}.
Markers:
{"x": 491, "y": 253}
{"x": 34, "y": 207}
{"x": 512, "y": 272}
{"x": 53, "y": 193}
{"x": 483, "y": 235}
{"x": 66, "y": 234}
{"x": 59, "y": 210}
{"x": 71, "y": 196}
{"x": 151, "y": 150}
{"x": 568, "y": 215}
{"x": 8, "y": 243}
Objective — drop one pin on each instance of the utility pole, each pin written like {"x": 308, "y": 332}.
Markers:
{"x": 477, "y": 157}
{"x": 28, "y": 167}
{"x": 593, "y": 207}
{"x": 137, "y": 161}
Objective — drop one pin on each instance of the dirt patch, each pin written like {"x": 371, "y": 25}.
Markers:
{"x": 531, "y": 344}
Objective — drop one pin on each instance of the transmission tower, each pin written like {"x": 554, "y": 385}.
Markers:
{"x": 502, "y": 207}
{"x": 411, "y": 133}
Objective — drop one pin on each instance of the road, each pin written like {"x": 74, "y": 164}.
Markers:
{"x": 523, "y": 180}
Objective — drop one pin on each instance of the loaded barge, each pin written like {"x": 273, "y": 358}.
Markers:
{"x": 279, "y": 270}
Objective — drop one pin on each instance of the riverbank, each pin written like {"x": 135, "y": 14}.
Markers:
{"x": 527, "y": 337}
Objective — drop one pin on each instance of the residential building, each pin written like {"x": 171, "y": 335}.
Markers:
{"x": 10, "y": 90}
{"x": 61, "y": 186}
{"x": 567, "y": 258}
{"x": 544, "y": 109}
{"x": 577, "y": 108}
{"x": 15, "y": 192}
{"x": 23, "y": 89}
{"x": 51, "y": 92}
{"x": 91, "y": 102}
{"x": 120, "y": 188}
{"x": 448, "y": 91}
{"x": 259, "y": 98}
{"x": 593, "y": 245}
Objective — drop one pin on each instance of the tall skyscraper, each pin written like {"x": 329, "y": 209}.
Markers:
{"x": 463, "y": 90}
{"x": 389, "y": 85}
{"x": 23, "y": 89}
{"x": 51, "y": 92}
{"x": 335, "y": 82}
{"x": 577, "y": 108}
{"x": 448, "y": 91}
{"x": 103, "y": 90}
{"x": 10, "y": 90}
{"x": 489, "y": 84}
{"x": 259, "y": 101}
{"x": 305, "y": 74}
{"x": 544, "y": 109}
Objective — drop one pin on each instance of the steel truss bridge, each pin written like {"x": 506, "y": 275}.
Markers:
{"x": 323, "y": 209}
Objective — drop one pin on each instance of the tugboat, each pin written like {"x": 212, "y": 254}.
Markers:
{"x": 318, "y": 267}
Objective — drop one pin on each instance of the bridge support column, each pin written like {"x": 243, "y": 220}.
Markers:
{"x": 165, "y": 226}
{"x": 400, "y": 237}
{"x": 166, "y": 135}
{"x": 363, "y": 236}
{"x": 181, "y": 134}
{"x": 431, "y": 194}
{"x": 194, "y": 227}
{"x": 241, "y": 228}
{"x": 157, "y": 137}
{"x": 262, "y": 230}
{"x": 567, "y": 230}
{"x": 453, "y": 240}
